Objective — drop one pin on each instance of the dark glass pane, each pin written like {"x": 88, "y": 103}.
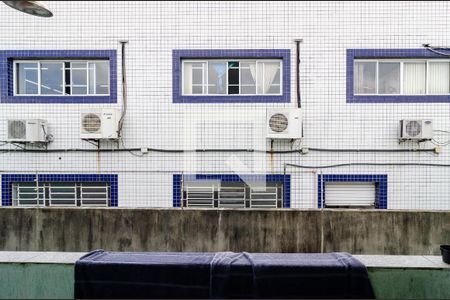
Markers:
{"x": 233, "y": 76}
{"x": 233, "y": 64}
{"x": 67, "y": 77}
{"x": 233, "y": 90}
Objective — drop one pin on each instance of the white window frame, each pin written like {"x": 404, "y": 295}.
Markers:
{"x": 402, "y": 62}
{"x": 227, "y": 60}
{"x": 39, "y": 62}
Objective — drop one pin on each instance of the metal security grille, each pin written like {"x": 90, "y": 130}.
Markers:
{"x": 200, "y": 196}
{"x": 28, "y": 194}
{"x": 263, "y": 197}
{"x": 349, "y": 194}
{"x": 61, "y": 194}
{"x": 232, "y": 195}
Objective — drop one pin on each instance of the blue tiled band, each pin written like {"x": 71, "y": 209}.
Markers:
{"x": 379, "y": 180}
{"x": 6, "y": 75}
{"x": 9, "y": 179}
{"x": 285, "y": 179}
{"x": 353, "y": 54}
{"x": 178, "y": 55}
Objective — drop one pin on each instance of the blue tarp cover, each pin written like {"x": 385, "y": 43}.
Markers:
{"x": 102, "y": 274}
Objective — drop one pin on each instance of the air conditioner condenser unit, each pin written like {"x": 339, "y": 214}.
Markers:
{"x": 284, "y": 123}
{"x": 99, "y": 124}
{"x": 415, "y": 130}
{"x": 27, "y": 131}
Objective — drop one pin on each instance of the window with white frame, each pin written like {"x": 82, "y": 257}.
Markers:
{"x": 232, "y": 77}
{"x": 61, "y": 78}
{"x": 401, "y": 77}
{"x": 61, "y": 194}
{"x": 232, "y": 194}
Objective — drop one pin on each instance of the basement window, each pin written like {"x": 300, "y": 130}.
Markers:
{"x": 232, "y": 194}
{"x": 71, "y": 194}
{"x": 61, "y": 78}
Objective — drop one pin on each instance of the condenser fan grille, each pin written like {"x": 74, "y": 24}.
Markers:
{"x": 17, "y": 129}
{"x": 278, "y": 123}
{"x": 91, "y": 123}
{"x": 413, "y": 128}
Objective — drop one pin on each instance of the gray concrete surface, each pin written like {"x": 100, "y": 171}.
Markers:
{"x": 289, "y": 230}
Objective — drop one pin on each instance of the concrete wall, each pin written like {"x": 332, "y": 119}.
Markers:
{"x": 354, "y": 231}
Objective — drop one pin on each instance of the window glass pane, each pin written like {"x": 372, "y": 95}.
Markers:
{"x": 414, "y": 78}
{"x": 274, "y": 89}
{"x": 439, "y": 78}
{"x": 78, "y": 65}
{"x": 217, "y": 72}
{"x": 99, "y": 78}
{"x": 233, "y": 89}
{"x": 79, "y": 90}
{"x": 79, "y": 78}
{"x": 102, "y": 77}
{"x": 51, "y": 78}
{"x": 268, "y": 74}
{"x": 197, "y": 90}
{"x": 67, "y": 77}
{"x": 248, "y": 90}
{"x": 248, "y": 73}
{"x": 233, "y": 73}
{"x": 364, "y": 80}
{"x": 260, "y": 78}
{"x": 388, "y": 78}
{"x": 91, "y": 78}
{"x": 27, "y": 78}
{"x": 233, "y": 77}
{"x": 197, "y": 76}
{"x": 193, "y": 78}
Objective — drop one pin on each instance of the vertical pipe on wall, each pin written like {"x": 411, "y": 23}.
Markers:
{"x": 322, "y": 237}
{"x": 297, "y": 69}
{"x": 124, "y": 89}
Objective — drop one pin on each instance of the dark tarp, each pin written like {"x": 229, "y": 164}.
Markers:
{"x": 101, "y": 274}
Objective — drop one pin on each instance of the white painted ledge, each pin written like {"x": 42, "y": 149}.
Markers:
{"x": 371, "y": 261}
{"x": 403, "y": 261}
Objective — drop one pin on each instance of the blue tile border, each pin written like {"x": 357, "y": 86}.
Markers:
{"x": 179, "y": 54}
{"x": 6, "y": 75}
{"x": 285, "y": 179}
{"x": 379, "y": 179}
{"x": 9, "y": 179}
{"x": 353, "y": 54}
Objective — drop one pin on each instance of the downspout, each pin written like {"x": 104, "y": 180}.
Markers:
{"x": 297, "y": 73}
{"x": 124, "y": 89}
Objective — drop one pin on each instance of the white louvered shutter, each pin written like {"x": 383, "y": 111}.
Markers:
{"x": 349, "y": 194}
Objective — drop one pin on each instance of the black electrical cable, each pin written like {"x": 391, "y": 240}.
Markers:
{"x": 371, "y": 150}
{"x": 218, "y": 150}
{"x": 434, "y": 49}
{"x": 368, "y": 164}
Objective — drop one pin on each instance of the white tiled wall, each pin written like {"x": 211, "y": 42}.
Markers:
{"x": 155, "y": 28}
